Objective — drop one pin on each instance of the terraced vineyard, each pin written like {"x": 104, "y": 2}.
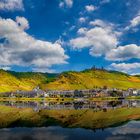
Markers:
{"x": 88, "y": 79}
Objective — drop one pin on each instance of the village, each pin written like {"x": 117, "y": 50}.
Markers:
{"x": 87, "y": 93}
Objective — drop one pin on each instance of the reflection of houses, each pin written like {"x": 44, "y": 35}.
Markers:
{"x": 134, "y": 103}
{"x": 95, "y": 105}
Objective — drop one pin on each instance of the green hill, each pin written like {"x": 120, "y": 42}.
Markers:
{"x": 11, "y": 81}
{"x": 87, "y": 79}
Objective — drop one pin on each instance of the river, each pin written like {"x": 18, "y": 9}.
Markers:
{"x": 87, "y": 120}
{"x": 129, "y": 131}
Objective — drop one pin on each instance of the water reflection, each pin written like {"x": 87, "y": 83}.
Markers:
{"x": 84, "y": 119}
{"x": 129, "y": 131}
{"x": 76, "y": 105}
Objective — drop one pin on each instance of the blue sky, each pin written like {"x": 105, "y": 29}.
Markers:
{"x": 62, "y": 35}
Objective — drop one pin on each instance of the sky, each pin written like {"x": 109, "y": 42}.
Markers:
{"x": 67, "y": 35}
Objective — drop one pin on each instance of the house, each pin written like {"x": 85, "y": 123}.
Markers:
{"x": 134, "y": 92}
{"x": 126, "y": 93}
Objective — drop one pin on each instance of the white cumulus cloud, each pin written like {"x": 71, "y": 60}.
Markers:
{"x": 99, "y": 39}
{"x": 122, "y": 53}
{"x": 125, "y": 67}
{"x": 21, "y": 49}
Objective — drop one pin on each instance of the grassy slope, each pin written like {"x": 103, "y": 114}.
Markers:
{"x": 11, "y": 81}
{"x": 94, "y": 78}
{"x": 30, "y": 78}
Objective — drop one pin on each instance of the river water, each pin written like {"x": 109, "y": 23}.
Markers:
{"x": 127, "y": 131}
